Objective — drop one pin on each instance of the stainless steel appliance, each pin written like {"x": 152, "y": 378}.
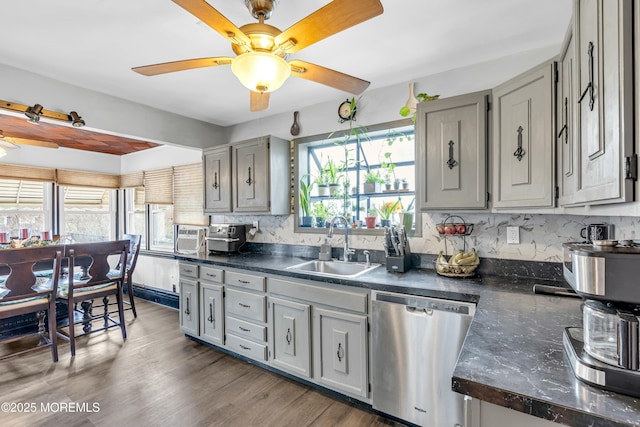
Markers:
{"x": 416, "y": 341}
{"x": 226, "y": 238}
{"x": 605, "y": 351}
{"x": 190, "y": 239}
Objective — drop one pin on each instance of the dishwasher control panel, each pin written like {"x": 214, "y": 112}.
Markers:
{"x": 425, "y": 303}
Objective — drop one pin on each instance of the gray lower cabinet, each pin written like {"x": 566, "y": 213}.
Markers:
{"x": 451, "y": 152}
{"x": 291, "y": 336}
{"x": 523, "y": 140}
{"x": 246, "y": 315}
{"x": 189, "y": 313}
{"x": 211, "y": 313}
{"x": 603, "y": 101}
{"x": 340, "y": 343}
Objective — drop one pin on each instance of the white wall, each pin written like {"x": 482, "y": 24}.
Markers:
{"x": 105, "y": 113}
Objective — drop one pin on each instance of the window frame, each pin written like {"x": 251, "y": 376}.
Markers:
{"x": 299, "y": 164}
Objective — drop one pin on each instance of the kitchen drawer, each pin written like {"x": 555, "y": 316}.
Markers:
{"x": 211, "y": 274}
{"x": 246, "y": 348}
{"x": 189, "y": 270}
{"x": 248, "y": 329}
{"x": 244, "y": 304}
{"x": 352, "y": 300}
{"x": 247, "y": 281}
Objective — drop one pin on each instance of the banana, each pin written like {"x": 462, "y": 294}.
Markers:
{"x": 441, "y": 259}
{"x": 469, "y": 258}
{"x": 456, "y": 258}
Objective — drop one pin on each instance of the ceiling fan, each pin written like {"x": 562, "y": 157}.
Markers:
{"x": 262, "y": 49}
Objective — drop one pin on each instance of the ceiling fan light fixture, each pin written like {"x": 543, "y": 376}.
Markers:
{"x": 33, "y": 113}
{"x": 76, "y": 120}
{"x": 261, "y": 71}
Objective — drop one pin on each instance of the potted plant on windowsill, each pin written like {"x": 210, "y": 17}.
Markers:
{"x": 386, "y": 210}
{"x": 305, "y": 196}
{"x": 372, "y": 182}
{"x": 370, "y": 219}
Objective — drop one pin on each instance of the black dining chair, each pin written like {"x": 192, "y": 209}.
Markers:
{"x": 23, "y": 291}
{"x": 91, "y": 277}
{"x": 132, "y": 259}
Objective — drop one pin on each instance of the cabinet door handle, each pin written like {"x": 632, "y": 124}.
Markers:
{"x": 451, "y": 162}
{"x": 519, "y": 153}
{"x": 288, "y": 336}
{"x": 589, "y": 87}
{"x": 248, "y": 181}
{"x": 565, "y": 129}
{"x": 244, "y": 305}
{"x": 211, "y": 318}
{"x": 187, "y": 311}
{"x": 215, "y": 180}
{"x": 340, "y": 352}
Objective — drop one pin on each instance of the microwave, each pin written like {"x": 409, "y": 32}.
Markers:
{"x": 190, "y": 239}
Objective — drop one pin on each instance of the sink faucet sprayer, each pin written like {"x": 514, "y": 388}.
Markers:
{"x": 347, "y": 251}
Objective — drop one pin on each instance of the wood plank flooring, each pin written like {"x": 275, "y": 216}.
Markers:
{"x": 159, "y": 377}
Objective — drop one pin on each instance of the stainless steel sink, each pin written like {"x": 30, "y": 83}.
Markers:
{"x": 333, "y": 268}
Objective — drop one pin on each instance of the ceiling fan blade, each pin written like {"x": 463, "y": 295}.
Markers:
{"x": 259, "y": 101}
{"x": 336, "y": 16}
{"x": 217, "y": 21}
{"x": 328, "y": 77}
{"x": 187, "y": 64}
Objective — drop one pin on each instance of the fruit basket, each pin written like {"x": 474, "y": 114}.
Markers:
{"x": 461, "y": 264}
{"x": 454, "y": 225}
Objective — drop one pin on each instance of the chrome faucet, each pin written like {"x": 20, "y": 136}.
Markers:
{"x": 347, "y": 251}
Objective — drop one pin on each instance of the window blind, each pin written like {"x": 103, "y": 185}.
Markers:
{"x": 30, "y": 173}
{"x": 188, "y": 195}
{"x": 87, "y": 179}
{"x": 158, "y": 186}
{"x": 132, "y": 180}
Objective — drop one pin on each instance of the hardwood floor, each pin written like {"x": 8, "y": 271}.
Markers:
{"x": 159, "y": 377}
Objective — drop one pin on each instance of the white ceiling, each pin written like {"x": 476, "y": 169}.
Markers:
{"x": 94, "y": 44}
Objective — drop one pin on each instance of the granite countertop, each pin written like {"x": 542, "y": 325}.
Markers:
{"x": 513, "y": 354}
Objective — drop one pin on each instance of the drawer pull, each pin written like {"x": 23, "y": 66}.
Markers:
{"x": 211, "y": 275}
{"x": 244, "y": 329}
{"x": 188, "y": 271}
{"x": 245, "y": 282}
{"x": 244, "y": 305}
{"x": 244, "y": 347}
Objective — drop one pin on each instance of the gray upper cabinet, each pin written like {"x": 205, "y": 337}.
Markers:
{"x": 248, "y": 177}
{"x": 566, "y": 143}
{"x": 217, "y": 179}
{"x": 604, "y": 100}
{"x": 451, "y": 152}
{"x": 261, "y": 176}
{"x": 523, "y": 135}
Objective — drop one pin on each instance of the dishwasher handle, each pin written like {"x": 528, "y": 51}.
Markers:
{"x": 426, "y": 304}
{"x": 419, "y": 310}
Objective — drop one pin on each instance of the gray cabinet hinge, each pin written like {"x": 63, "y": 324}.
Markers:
{"x": 488, "y": 196}
{"x": 368, "y": 327}
{"x": 631, "y": 167}
{"x": 369, "y": 387}
{"x": 556, "y": 74}
{"x": 269, "y": 204}
{"x": 557, "y": 192}
{"x": 268, "y": 145}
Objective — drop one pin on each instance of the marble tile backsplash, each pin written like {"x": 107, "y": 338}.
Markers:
{"x": 541, "y": 236}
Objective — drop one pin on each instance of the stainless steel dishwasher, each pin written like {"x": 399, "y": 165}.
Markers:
{"x": 416, "y": 341}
